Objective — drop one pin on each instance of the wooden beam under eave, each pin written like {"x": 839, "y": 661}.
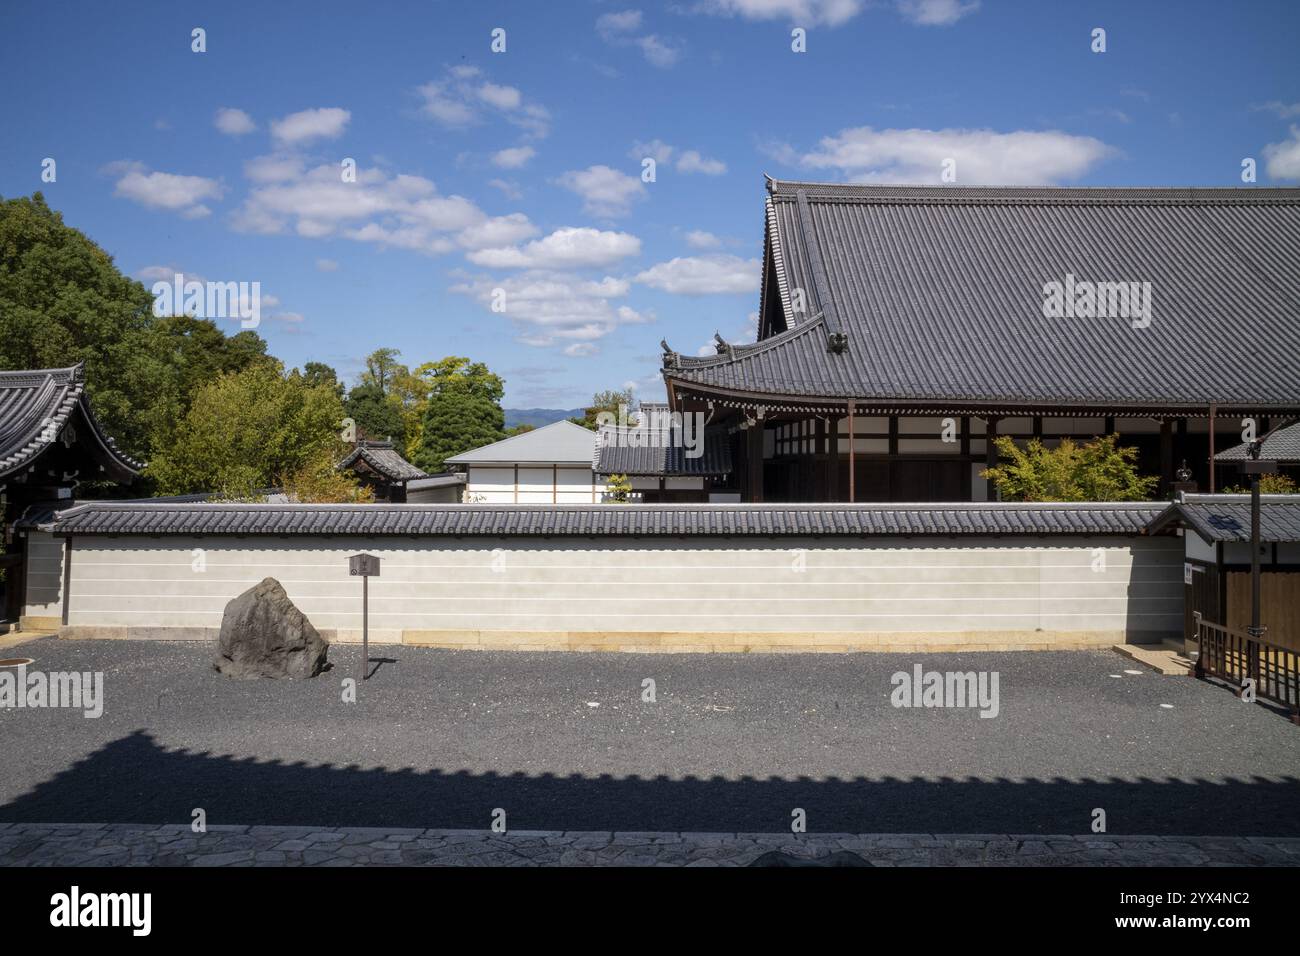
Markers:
{"x": 853, "y": 482}
{"x": 754, "y": 460}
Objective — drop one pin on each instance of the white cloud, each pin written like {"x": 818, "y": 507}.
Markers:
{"x": 804, "y": 13}
{"x": 703, "y": 275}
{"x": 935, "y": 13}
{"x": 1283, "y": 110}
{"x": 502, "y": 97}
{"x": 170, "y": 191}
{"x": 296, "y": 128}
{"x": 688, "y": 160}
{"x": 275, "y": 168}
{"x": 497, "y": 232}
{"x": 509, "y": 188}
{"x": 659, "y": 51}
{"x": 233, "y": 122}
{"x": 391, "y": 210}
{"x": 610, "y": 25}
{"x": 1282, "y": 160}
{"x": 623, "y": 29}
{"x": 604, "y": 191}
{"x": 327, "y": 265}
{"x": 567, "y": 248}
{"x": 513, "y": 157}
{"x": 554, "y": 308}
{"x": 692, "y": 162}
{"x": 982, "y": 156}
{"x": 699, "y": 239}
{"x": 459, "y": 98}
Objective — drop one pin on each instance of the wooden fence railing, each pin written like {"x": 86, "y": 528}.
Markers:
{"x": 1235, "y": 656}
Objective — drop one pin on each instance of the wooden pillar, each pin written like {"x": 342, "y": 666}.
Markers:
{"x": 990, "y": 453}
{"x": 1213, "y": 409}
{"x": 1166, "y": 456}
{"x": 833, "y": 458}
{"x": 821, "y": 485}
{"x": 754, "y": 460}
{"x": 853, "y": 482}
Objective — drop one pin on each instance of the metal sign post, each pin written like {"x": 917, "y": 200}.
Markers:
{"x": 364, "y": 566}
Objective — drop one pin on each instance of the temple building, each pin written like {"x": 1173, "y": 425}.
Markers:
{"x": 900, "y": 328}
{"x": 50, "y": 443}
{"x": 380, "y": 467}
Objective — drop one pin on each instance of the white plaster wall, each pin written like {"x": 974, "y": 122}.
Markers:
{"x": 1115, "y": 584}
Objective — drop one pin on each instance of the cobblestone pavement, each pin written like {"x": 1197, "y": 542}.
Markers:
{"x": 88, "y": 844}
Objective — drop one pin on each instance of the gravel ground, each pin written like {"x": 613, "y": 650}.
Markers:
{"x": 733, "y": 743}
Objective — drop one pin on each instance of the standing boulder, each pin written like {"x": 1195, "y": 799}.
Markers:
{"x": 264, "y": 635}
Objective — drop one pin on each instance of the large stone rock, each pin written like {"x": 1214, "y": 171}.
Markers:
{"x": 264, "y": 635}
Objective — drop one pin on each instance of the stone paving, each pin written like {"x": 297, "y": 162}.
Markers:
{"x": 38, "y": 844}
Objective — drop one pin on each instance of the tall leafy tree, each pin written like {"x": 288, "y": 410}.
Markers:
{"x": 463, "y": 410}
{"x": 381, "y": 368}
{"x": 608, "y": 401}
{"x": 1099, "y": 470}
{"x": 376, "y": 416}
{"x": 250, "y": 429}
{"x": 318, "y": 373}
{"x": 62, "y": 301}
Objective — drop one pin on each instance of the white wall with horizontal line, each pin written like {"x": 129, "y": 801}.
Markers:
{"x": 1113, "y": 585}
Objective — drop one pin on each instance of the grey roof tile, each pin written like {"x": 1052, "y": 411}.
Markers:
{"x": 660, "y": 452}
{"x": 940, "y": 290}
{"x": 383, "y": 458}
{"x": 1227, "y": 517}
{"x": 1281, "y": 445}
{"x": 128, "y": 518}
{"x": 37, "y": 405}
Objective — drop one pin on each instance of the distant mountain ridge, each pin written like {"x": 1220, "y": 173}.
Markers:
{"x": 537, "y": 417}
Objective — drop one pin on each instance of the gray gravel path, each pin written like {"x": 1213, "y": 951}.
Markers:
{"x": 733, "y": 743}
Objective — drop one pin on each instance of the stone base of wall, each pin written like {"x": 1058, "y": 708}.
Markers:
{"x": 647, "y": 642}
{"x": 31, "y": 622}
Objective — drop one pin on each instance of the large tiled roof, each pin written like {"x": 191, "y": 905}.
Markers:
{"x": 560, "y": 442}
{"x": 1227, "y": 517}
{"x": 129, "y": 518}
{"x": 384, "y": 459}
{"x": 35, "y": 409}
{"x": 1281, "y": 445}
{"x": 939, "y": 293}
{"x": 660, "y": 452}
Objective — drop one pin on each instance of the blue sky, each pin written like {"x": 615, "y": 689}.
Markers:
{"x": 522, "y": 170}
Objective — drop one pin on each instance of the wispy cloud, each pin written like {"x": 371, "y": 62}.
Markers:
{"x": 981, "y": 156}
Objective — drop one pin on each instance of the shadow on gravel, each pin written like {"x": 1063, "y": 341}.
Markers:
{"x": 133, "y": 780}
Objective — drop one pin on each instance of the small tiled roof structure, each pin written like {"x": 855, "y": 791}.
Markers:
{"x": 43, "y": 406}
{"x": 560, "y": 442}
{"x": 669, "y": 520}
{"x": 660, "y": 452}
{"x": 444, "y": 479}
{"x": 1227, "y": 517}
{"x": 383, "y": 459}
{"x": 935, "y": 294}
{"x": 1281, "y": 445}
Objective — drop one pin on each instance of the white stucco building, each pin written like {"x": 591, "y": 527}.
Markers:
{"x": 548, "y": 465}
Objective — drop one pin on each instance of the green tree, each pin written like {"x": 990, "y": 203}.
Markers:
{"x": 463, "y": 410}
{"x": 1268, "y": 485}
{"x": 376, "y": 416}
{"x": 62, "y": 301}
{"x": 381, "y": 368}
{"x": 619, "y": 489}
{"x": 318, "y": 373}
{"x": 607, "y": 401}
{"x": 1099, "y": 470}
{"x": 250, "y": 429}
